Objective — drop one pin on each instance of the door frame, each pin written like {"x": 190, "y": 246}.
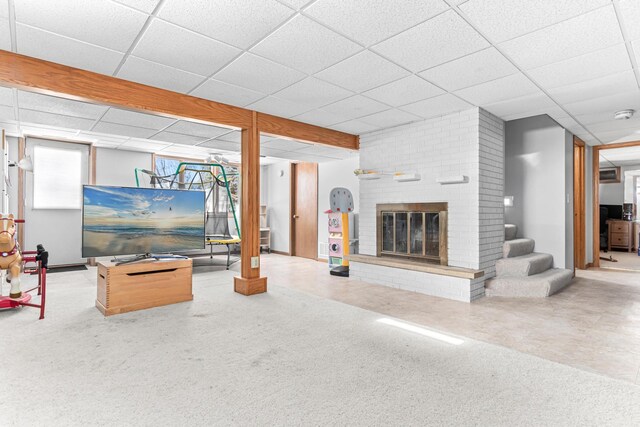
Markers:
{"x": 292, "y": 205}
{"x": 579, "y": 205}
{"x": 596, "y": 193}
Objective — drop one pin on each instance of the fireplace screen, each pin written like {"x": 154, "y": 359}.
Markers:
{"x": 416, "y": 230}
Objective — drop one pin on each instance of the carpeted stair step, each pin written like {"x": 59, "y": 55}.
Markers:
{"x": 536, "y": 286}
{"x": 517, "y": 247}
{"x": 525, "y": 265}
{"x": 510, "y": 231}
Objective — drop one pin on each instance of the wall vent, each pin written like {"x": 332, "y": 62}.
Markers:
{"x": 323, "y": 249}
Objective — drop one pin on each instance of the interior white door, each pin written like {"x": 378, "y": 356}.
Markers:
{"x": 53, "y": 198}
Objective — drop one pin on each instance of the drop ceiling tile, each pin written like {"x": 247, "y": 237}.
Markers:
{"x": 372, "y": 21}
{"x": 363, "y": 71}
{"x": 6, "y": 96}
{"x": 354, "y": 127}
{"x": 55, "y": 105}
{"x": 470, "y": 70}
{"x": 234, "y": 136}
{"x": 179, "y": 48}
{"x": 616, "y": 125}
{"x": 264, "y": 151}
{"x": 279, "y": 107}
{"x": 58, "y": 120}
{"x": 103, "y": 23}
{"x": 630, "y": 13}
{"x": 4, "y": 9}
{"x": 438, "y": 40}
{"x": 63, "y": 50}
{"x": 319, "y": 118}
{"x": 520, "y": 107}
{"x": 404, "y": 91}
{"x": 566, "y": 121}
{"x": 389, "y": 118}
{"x": 325, "y": 151}
{"x": 124, "y": 130}
{"x": 178, "y": 138}
{"x": 502, "y": 20}
{"x": 196, "y": 129}
{"x": 226, "y": 93}
{"x": 513, "y": 86}
{"x": 313, "y": 92}
{"x": 438, "y": 106}
{"x": 354, "y": 107}
{"x": 296, "y": 4}
{"x": 636, "y": 49}
{"x": 606, "y": 105}
{"x": 258, "y": 74}
{"x": 5, "y": 34}
{"x": 189, "y": 151}
{"x": 221, "y": 145}
{"x": 596, "y": 88}
{"x": 305, "y": 45}
{"x": 158, "y": 75}
{"x": 239, "y": 23}
{"x": 144, "y": 145}
{"x": 132, "y": 118}
{"x": 586, "y": 33}
{"x": 582, "y": 68}
{"x": 609, "y": 137}
{"x": 6, "y": 113}
{"x": 283, "y": 144}
{"x": 145, "y": 6}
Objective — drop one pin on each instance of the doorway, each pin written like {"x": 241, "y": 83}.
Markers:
{"x": 304, "y": 210}
{"x": 579, "y": 205}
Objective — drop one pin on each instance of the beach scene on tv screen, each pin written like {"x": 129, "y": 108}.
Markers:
{"x": 120, "y": 221}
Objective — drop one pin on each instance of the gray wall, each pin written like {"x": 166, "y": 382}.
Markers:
{"x": 613, "y": 193}
{"x": 539, "y": 175}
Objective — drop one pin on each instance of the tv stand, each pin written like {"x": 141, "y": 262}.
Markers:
{"x": 147, "y": 256}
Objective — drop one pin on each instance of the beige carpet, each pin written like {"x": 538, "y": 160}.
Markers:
{"x": 625, "y": 260}
{"x": 282, "y": 358}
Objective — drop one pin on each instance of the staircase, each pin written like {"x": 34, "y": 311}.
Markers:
{"x": 524, "y": 273}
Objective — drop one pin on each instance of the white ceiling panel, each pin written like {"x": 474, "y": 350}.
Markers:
{"x": 264, "y": 151}
{"x": 258, "y": 74}
{"x": 363, "y": 71}
{"x": 144, "y": 145}
{"x": 132, "y": 118}
{"x": 176, "y": 47}
{"x": 582, "y": 68}
{"x": 6, "y": 96}
{"x": 354, "y": 107}
{"x": 145, "y": 6}
{"x": 603, "y": 86}
{"x": 404, "y": 91}
{"x": 527, "y": 106}
{"x": 611, "y": 136}
{"x": 64, "y": 50}
{"x": 5, "y": 34}
{"x": 103, "y": 23}
{"x": 436, "y": 41}
{"x": 279, "y": 107}
{"x": 326, "y": 151}
{"x": 197, "y": 129}
{"x": 617, "y": 125}
{"x": 158, "y": 75}
{"x": 355, "y": 127}
{"x": 513, "y": 86}
{"x": 283, "y": 144}
{"x": 389, "y": 118}
{"x": 4, "y": 8}
{"x": 586, "y": 33}
{"x": 124, "y": 130}
{"x": 372, "y": 21}
{"x": 221, "y": 145}
{"x": 470, "y": 70}
{"x": 7, "y": 113}
{"x": 58, "y": 120}
{"x": 438, "y": 106}
{"x": 630, "y": 11}
{"x": 319, "y": 118}
{"x": 218, "y": 91}
{"x": 55, "y": 105}
{"x": 239, "y": 23}
{"x": 233, "y": 136}
{"x": 178, "y": 138}
{"x": 305, "y": 45}
{"x": 296, "y": 4}
{"x": 182, "y": 150}
{"x": 607, "y": 104}
{"x": 502, "y": 20}
{"x": 313, "y": 92}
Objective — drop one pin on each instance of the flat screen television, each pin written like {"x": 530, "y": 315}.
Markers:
{"x": 131, "y": 220}
{"x": 613, "y": 211}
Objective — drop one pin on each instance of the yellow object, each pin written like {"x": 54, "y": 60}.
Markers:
{"x": 345, "y": 239}
{"x": 222, "y": 241}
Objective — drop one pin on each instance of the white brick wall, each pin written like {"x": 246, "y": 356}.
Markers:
{"x": 469, "y": 143}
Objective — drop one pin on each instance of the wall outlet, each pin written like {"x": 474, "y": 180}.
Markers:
{"x": 255, "y": 261}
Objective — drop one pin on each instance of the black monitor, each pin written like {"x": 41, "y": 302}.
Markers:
{"x": 613, "y": 211}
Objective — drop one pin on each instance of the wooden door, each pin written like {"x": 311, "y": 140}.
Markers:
{"x": 304, "y": 210}
{"x": 579, "y": 214}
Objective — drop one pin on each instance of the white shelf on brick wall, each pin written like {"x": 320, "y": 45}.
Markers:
{"x": 457, "y": 179}
{"x": 406, "y": 177}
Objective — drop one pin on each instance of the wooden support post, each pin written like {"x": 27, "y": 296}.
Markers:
{"x": 249, "y": 282}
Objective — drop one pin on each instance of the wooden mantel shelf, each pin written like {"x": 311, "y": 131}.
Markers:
{"x": 443, "y": 270}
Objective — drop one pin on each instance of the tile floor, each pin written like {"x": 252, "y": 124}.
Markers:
{"x": 594, "y": 324}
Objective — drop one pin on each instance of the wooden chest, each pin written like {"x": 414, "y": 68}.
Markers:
{"x": 142, "y": 285}
{"x": 620, "y": 234}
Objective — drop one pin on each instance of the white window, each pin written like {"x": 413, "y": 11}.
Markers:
{"x": 57, "y": 178}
